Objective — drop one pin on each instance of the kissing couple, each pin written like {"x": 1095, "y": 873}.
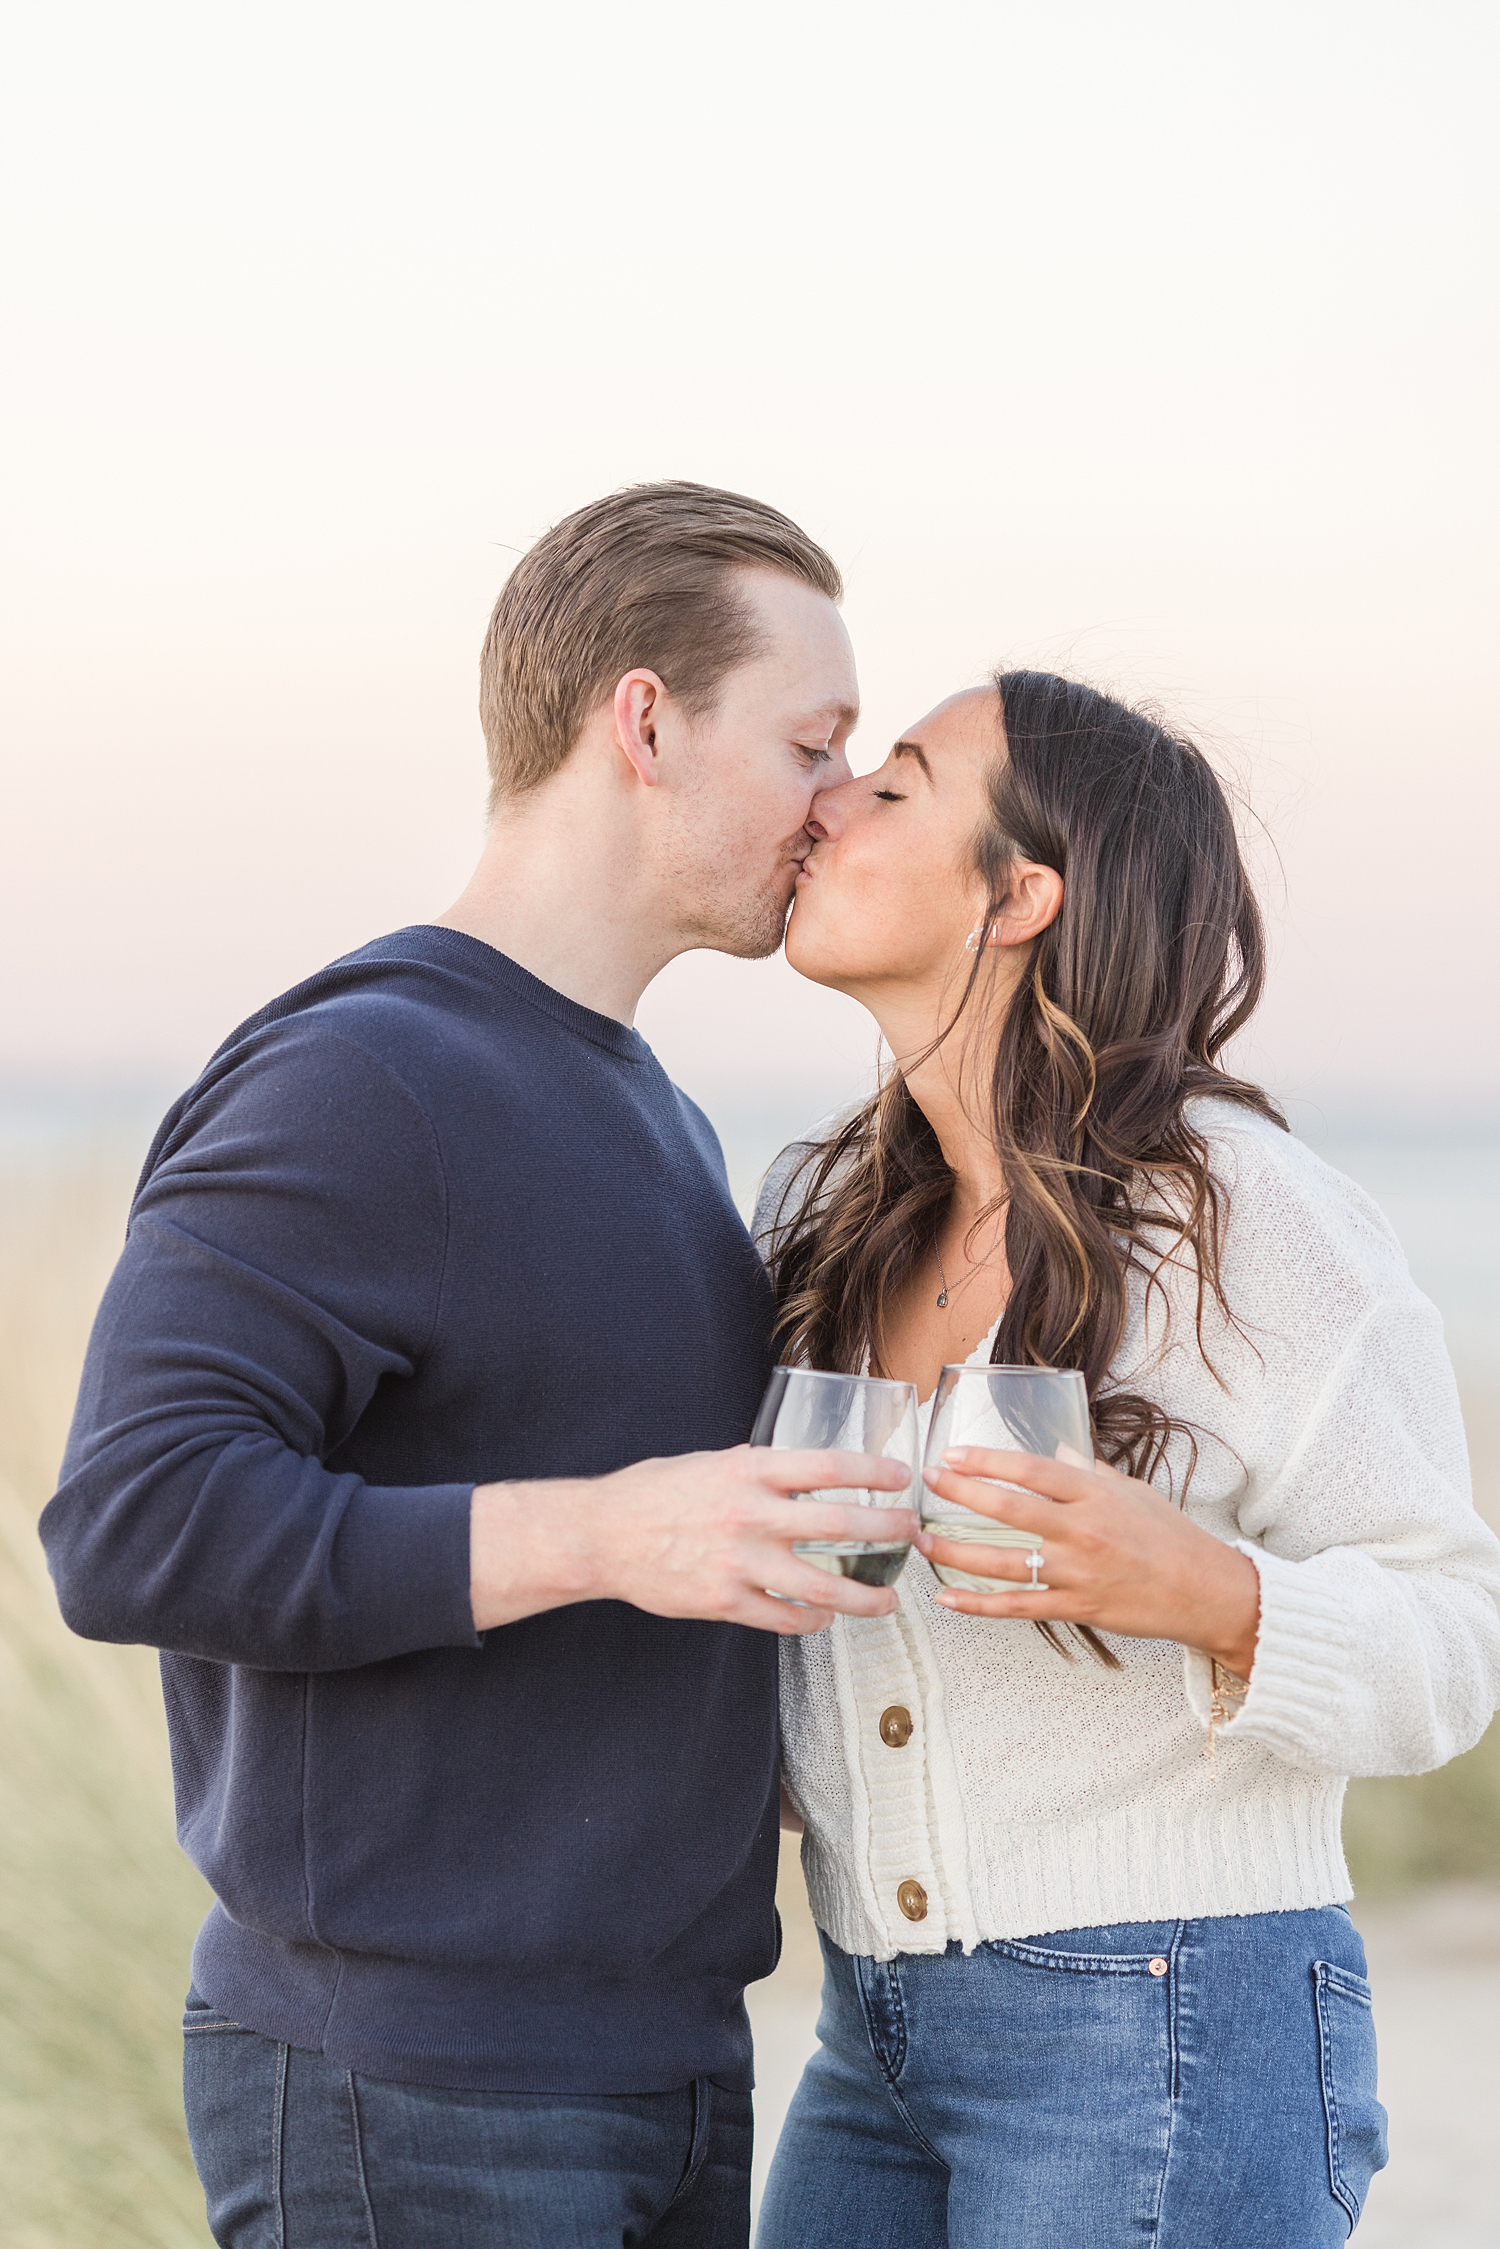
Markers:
{"x": 413, "y": 1432}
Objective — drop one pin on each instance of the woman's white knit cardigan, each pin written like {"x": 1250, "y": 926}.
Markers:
{"x": 1037, "y": 1794}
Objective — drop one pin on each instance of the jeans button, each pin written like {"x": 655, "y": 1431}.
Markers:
{"x": 1157, "y": 1967}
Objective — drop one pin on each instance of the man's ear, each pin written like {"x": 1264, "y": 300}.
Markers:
{"x": 638, "y": 700}
{"x": 1034, "y": 903}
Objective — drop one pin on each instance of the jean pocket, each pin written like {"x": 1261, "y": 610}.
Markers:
{"x": 1346, "y": 2060}
{"x": 1091, "y": 1960}
{"x": 198, "y": 2015}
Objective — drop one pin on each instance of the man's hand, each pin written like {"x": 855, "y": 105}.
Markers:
{"x": 707, "y": 1535}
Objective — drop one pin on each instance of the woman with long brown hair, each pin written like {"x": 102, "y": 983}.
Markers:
{"x": 1073, "y": 1844}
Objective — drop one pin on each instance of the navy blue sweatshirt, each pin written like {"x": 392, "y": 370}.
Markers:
{"x": 424, "y": 1223}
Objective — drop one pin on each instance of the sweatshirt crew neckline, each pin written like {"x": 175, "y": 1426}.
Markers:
{"x": 495, "y": 967}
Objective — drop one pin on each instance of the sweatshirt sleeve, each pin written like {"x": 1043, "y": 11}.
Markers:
{"x": 284, "y": 1257}
{"x": 1379, "y": 1648}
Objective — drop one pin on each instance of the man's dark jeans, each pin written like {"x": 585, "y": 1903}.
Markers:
{"x": 297, "y": 2153}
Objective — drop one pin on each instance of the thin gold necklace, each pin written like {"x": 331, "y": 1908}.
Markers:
{"x": 974, "y": 1265}
{"x": 944, "y": 1292}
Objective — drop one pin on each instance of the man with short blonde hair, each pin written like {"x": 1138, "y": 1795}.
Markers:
{"x": 412, "y": 1432}
{"x": 650, "y": 575}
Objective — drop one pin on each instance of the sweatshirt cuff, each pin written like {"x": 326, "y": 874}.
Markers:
{"x": 1301, "y": 1662}
{"x": 405, "y": 1573}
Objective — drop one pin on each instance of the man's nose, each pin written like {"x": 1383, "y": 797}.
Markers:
{"x": 825, "y": 820}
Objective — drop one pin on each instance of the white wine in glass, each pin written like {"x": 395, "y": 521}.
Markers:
{"x": 803, "y": 1410}
{"x": 1041, "y": 1410}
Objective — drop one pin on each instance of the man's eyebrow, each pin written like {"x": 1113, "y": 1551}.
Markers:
{"x": 913, "y": 749}
{"x": 831, "y": 715}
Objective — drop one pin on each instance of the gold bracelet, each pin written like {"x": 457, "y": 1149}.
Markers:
{"x": 1229, "y": 1692}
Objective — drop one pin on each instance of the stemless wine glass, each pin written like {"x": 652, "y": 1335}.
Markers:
{"x": 1041, "y": 1410}
{"x": 804, "y": 1409}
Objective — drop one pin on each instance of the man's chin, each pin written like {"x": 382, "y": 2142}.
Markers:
{"x": 752, "y": 935}
{"x": 757, "y": 940}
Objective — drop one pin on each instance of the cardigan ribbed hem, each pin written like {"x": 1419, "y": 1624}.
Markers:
{"x": 1258, "y": 1851}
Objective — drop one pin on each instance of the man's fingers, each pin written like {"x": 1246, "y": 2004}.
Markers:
{"x": 797, "y": 1580}
{"x": 824, "y": 1518}
{"x": 771, "y": 1615}
{"x": 826, "y": 1471}
{"x": 804, "y": 1600}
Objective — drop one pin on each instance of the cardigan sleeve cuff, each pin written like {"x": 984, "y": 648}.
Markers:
{"x": 1301, "y": 1662}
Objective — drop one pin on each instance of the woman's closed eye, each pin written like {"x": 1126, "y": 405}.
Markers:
{"x": 890, "y": 796}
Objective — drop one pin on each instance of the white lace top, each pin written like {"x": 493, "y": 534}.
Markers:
{"x": 1032, "y": 1793}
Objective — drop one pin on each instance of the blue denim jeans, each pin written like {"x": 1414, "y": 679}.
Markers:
{"x": 1187, "y": 2084}
{"x": 297, "y": 2153}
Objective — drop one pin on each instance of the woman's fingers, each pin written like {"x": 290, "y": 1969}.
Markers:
{"x": 1024, "y": 1510}
{"x": 984, "y": 1561}
{"x": 1062, "y": 1480}
{"x": 1040, "y": 1606}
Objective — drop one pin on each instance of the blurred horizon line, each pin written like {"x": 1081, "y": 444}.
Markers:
{"x": 84, "y": 1103}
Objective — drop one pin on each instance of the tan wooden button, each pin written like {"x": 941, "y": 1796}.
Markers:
{"x": 912, "y": 1899}
{"x": 895, "y": 1726}
{"x": 1157, "y": 1967}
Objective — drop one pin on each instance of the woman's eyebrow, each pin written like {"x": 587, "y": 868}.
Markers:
{"x": 913, "y": 749}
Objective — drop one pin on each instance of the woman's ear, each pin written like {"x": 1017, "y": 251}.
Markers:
{"x": 1032, "y": 905}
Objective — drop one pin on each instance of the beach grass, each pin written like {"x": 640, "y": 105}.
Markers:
{"x": 97, "y": 1913}
{"x": 98, "y": 1907}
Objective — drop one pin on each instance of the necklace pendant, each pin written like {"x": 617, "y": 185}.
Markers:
{"x": 942, "y": 1300}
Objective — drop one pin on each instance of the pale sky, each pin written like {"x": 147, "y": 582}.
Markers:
{"x": 1155, "y": 343}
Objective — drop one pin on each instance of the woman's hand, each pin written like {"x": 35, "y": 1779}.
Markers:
{"x": 1115, "y": 1555}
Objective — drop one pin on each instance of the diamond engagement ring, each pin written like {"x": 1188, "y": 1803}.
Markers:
{"x": 1034, "y": 1564}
